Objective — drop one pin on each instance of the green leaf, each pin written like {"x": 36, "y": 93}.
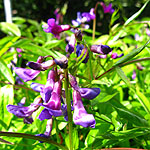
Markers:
{"x": 136, "y": 14}
{"x": 91, "y": 137}
{"x": 127, "y": 134}
{"x": 21, "y": 42}
{"x": 102, "y": 97}
{"x": 122, "y": 76}
{"x": 75, "y": 139}
{"x": 10, "y": 28}
{"x": 8, "y": 45}
{"x": 143, "y": 100}
{"x": 53, "y": 43}
{"x": 130, "y": 116}
{"x": 40, "y": 51}
{"x": 6, "y": 97}
{"x": 5, "y": 71}
{"x": 132, "y": 54}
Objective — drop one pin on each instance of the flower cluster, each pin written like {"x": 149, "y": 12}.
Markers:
{"x": 52, "y": 96}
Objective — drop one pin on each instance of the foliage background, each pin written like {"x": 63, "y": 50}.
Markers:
{"x": 122, "y": 110}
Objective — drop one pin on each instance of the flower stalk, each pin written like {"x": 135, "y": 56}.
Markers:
{"x": 68, "y": 101}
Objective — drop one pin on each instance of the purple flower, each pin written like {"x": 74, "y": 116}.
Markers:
{"x": 73, "y": 82}
{"x": 80, "y": 116}
{"x": 115, "y": 55}
{"x": 139, "y": 66}
{"x": 63, "y": 62}
{"x": 101, "y": 49}
{"x": 88, "y": 16}
{"x": 70, "y": 46}
{"x": 41, "y": 66}
{"x": 107, "y": 9}
{"x": 52, "y": 105}
{"x": 58, "y": 15}
{"x": 77, "y": 22}
{"x": 64, "y": 111}
{"x": 28, "y": 120}
{"x": 89, "y": 93}
{"x": 26, "y": 74}
{"x": 134, "y": 75}
{"x": 55, "y": 29}
{"x": 23, "y": 112}
{"x": 102, "y": 56}
{"x": 81, "y": 50}
{"x": 148, "y": 31}
{"x": 37, "y": 87}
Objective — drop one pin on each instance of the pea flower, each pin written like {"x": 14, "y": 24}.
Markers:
{"x": 115, "y": 55}
{"x": 87, "y": 93}
{"x": 26, "y": 74}
{"x": 51, "y": 95}
{"x": 101, "y": 49}
{"x": 80, "y": 116}
{"x": 36, "y": 67}
{"x": 81, "y": 50}
{"x": 134, "y": 74}
{"x": 88, "y": 16}
{"x": 107, "y": 9}
{"x": 23, "y": 111}
{"x": 70, "y": 46}
{"x": 78, "y": 21}
{"x": 55, "y": 29}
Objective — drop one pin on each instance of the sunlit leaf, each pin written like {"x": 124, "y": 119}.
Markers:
{"x": 6, "y": 72}
{"x": 10, "y": 28}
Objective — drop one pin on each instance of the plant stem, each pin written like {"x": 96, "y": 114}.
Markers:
{"x": 124, "y": 64}
{"x": 57, "y": 130}
{"x": 68, "y": 101}
{"x": 94, "y": 22}
{"x": 29, "y": 136}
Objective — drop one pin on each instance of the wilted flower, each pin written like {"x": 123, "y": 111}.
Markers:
{"x": 107, "y": 9}
{"x": 55, "y": 29}
{"x": 80, "y": 116}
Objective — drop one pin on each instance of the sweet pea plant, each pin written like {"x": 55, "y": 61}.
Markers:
{"x": 68, "y": 90}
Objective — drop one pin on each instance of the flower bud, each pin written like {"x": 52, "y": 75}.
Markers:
{"x": 78, "y": 35}
{"x": 63, "y": 62}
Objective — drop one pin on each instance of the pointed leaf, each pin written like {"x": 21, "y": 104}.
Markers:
{"x": 123, "y": 76}
{"x": 132, "y": 54}
{"x": 10, "y": 28}
{"x": 5, "y": 71}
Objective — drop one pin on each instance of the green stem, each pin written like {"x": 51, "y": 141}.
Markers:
{"x": 90, "y": 65}
{"x": 68, "y": 101}
{"x": 57, "y": 130}
{"x": 29, "y": 136}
